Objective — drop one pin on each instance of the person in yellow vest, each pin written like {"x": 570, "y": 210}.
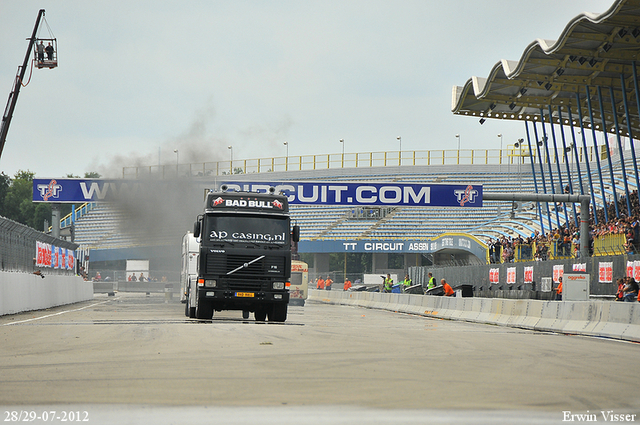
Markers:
{"x": 327, "y": 283}
{"x": 406, "y": 283}
{"x": 388, "y": 283}
{"x": 431, "y": 281}
{"x": 347, "y": 284}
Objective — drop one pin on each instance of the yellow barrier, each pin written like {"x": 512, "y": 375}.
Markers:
{"x": 609, "y": 244}
{"x": 509, "y": 156}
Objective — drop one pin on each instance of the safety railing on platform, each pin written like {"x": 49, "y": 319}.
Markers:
{"x": 603, "y": 245}
{"x": 613, "y": 244}
{"x": 509, "y": 156}
{"x": 536, "y": 251}
{"x": 76, "y": 214}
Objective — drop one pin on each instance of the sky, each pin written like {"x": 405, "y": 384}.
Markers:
{"x": 139, "y": 79}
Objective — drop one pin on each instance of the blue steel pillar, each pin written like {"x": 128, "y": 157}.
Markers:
{"x": 574, "y": 145}
{"x": 586, "y": 160}
{"x": 546, "y": 148}
{"x": 555, "y": 153}
{"x": 624, "y": 172}
{"x": 533, "y": 173}
{"x": 626, "y": 111}
{"x": 544, "y": 183}
{"x": 606, "y": 142}
{"x": 566, "y": 162}
{"x": 595, "y": 146}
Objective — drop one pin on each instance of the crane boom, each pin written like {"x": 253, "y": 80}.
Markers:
{"x": 13, "y": 96}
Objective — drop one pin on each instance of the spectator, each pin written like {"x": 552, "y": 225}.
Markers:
{"x": 631, "y": 290}
{"x": 49, "y": 50}
{"x": 40, "y": 51}
{"x": 559, "y": 290}
{"x": 448, "y": 290}
{"x": 327, "y": 283}
{"x": 347, "y": 284}
{"x": 620, "y": 293}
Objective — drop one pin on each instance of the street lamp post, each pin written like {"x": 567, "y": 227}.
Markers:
{"x": 519, "y": 146}
{"x": 286, "y": 164}
{"x": 342, "y": 141}
{"x": 458, "y": 137}
{"x": 500, "y": 156}
{"x": 400, "y": 150}
{"x": 230, "y": 158}
{"x": 177, "y": 159}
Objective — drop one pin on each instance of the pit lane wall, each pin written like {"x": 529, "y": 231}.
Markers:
{"x": 21, "y": 291}
{"x": 610, "y": 319}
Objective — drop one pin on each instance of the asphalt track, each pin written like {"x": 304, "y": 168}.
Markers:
{"x": 136, "y": 359}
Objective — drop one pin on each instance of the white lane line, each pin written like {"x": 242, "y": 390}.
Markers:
{"x": 54, "y": 314}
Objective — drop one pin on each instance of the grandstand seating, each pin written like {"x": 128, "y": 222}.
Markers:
{"x": 100, "y": 226}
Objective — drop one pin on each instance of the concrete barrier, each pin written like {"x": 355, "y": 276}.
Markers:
{"x": 25, "y": 292}
{"x": 594, "y": 318}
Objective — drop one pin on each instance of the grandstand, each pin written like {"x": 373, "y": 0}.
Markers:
{"x": 100, "y": 227}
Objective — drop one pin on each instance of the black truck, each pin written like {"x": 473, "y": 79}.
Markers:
{"x": 244, "y": 258}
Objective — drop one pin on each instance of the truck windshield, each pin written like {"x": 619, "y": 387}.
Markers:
{"x": 260, "y": 230}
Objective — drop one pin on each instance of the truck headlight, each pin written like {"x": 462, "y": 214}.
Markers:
{"x": 278, "y": 285}
{"x": 210, "y": 283}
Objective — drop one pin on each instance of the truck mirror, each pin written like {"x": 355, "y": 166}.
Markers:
{"x": 295, "y": 235}
{"x": 196, "y": 229}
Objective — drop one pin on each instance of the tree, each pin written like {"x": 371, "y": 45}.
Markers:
{"x": 18, "y": 205}
{"x": 42, "y": 213}
{"x": 92, "y": 175}
{"x": 5, "y": 184}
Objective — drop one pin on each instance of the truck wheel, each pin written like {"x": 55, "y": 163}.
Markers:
{"x": 204, "y": 310}
{"x": 260, "y": 315}
{"x": 278, "y": 313}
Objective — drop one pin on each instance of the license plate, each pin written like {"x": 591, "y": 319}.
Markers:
{"x": 245, "y": 294}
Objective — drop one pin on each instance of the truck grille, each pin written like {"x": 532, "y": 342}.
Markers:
{"x": 268, "y": 266}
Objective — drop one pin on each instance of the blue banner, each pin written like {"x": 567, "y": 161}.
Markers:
{"x": 370, "y": 194}
{"x": 299, "y": 193}
{"x": 447, "y": 241}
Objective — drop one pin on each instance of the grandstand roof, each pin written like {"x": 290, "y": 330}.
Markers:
{"x": 593, "y": 50}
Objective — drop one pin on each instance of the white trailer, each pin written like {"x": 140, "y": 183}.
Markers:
{"x": 189, "y": 272}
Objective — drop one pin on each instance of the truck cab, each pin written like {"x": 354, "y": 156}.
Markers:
{"x": 244, "y": 260}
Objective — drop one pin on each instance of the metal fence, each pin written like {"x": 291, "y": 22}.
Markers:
{"x": 18, "y": 248}
{"x": 510, "y": 156}
{"x": 478, "y": 276}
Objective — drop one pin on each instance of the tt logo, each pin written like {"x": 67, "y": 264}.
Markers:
{"x": 50, "y": 190}
{"x": 467, "y": 195}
